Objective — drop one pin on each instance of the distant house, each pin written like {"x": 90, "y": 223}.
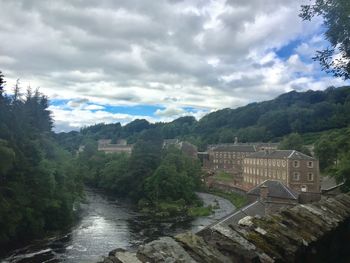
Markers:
{"x": 120, "y": 147}
{"x": 275, "y": 194}
{"x": 294, "y": 169}
{"x": 226, "y": 158}
{"x": 187, "y": 148}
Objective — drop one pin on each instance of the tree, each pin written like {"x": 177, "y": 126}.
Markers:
{"x": 342, "y": 173}
{"x": 2, "y": 83}
{"x": 294, "y": 142}
{"x": 335, "y": 13}
{"x": 326, "y": 152}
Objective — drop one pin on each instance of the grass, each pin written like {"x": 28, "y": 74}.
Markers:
{"x": 170, "y": 209}
{"x": 236, "y": 199}
{"x": 200, "y": 211}
{"x": 223, "y": 177}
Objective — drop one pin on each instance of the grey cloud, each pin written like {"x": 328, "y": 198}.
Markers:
{"x": 150, "y": 51}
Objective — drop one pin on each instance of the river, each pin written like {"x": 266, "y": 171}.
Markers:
{"x": 107, "y": 223}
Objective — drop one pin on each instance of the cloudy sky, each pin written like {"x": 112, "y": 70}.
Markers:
{"x": 119, "y": 60}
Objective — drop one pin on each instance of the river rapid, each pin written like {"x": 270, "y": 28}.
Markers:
{"x": 107, "y": 223}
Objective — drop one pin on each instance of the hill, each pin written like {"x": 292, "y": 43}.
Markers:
{"x": 292, "y": 112}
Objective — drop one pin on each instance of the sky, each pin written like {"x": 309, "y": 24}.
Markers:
{"x": 120, "y": 60}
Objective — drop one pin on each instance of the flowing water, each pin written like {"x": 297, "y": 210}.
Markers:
{"x": 107, "y": 223}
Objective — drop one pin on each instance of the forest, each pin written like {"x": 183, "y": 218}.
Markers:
{"x": 39, "y": 184}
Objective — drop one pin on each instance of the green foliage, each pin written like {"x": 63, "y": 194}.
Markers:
{"x": 38, "y": 182}
{"x": 333, "y": 151}
{"x": 2, "y": 83}
{"x": 294, "y": 142}
{"x": 200, "y": 211}
{"x": 292, "y": 112}
{"x": 335, "y": 15}
{"x": 236, "y": 199}
{"x": 176, "y": 178}
{"x": 223, "y": 176}
{"x": 342, "y": 171}
{"x": 326, "y": 152}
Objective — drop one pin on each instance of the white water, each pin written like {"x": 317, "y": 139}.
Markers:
{"x": 108, "y": 223}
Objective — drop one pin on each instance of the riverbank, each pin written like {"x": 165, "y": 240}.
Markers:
{"x": 106, "y": 223}
{"x": 237, "y": 200}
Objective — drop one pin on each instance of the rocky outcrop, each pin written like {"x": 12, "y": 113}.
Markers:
{"x": 318, "y": 232}
{"x": 164, "y": 249}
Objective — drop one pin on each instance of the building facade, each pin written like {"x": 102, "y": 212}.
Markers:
{"x": 120, "y": 147}
{"x": 227, "y": 157}
{"x": 298, "y": 171}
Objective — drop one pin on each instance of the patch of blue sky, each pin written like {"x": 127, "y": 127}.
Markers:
{"x": 286, "y": 51}
{"x": 58, "y": 102}
{"x": 142, "y": 110}
{"x": 136, "y": 110}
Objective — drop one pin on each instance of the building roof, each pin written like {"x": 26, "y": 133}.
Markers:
{"x": 329, "y": 183}
{"x": 253, "y": 209}
{"x": 229, "y": 147}
{"x": 281, "y": 154}
{"x": 275, "y": 189}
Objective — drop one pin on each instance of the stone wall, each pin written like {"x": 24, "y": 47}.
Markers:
{"x": 317, "y": 232}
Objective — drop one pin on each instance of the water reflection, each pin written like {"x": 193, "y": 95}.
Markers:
{"x": 108, "y": 223}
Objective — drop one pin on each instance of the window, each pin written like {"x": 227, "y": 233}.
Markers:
{"x": 278, "y": 163}
{"x": 296, "y": 163}
{"x": 310, "y": 164}
{"x": 284, "y": 175}
{"x": 296, "y": 176}
{"x": 284, "y": 163}
{"x": 303, "y": 188}
{"x": 310, "y": 176}
{"x": 273, "y": 162}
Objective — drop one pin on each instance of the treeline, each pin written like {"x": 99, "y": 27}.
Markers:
{"x": 293, "y": 112}
{"x": 333, "y": 151}
{"x": 161, "y": 180}
{"x": 38, "y": 180}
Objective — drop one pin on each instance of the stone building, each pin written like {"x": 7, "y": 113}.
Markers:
{"x": 294, "y": 169}
{"x": 227, "y": 157}
{"x": 121, "y": 146}
{"x": 274, "y": 194}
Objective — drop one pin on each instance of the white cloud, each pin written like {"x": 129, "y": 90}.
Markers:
{"x": 94, "y": 107}
{"x": 175, "y": 54}
{"x": 76, "y": 118}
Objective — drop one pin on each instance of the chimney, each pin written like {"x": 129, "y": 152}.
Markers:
{"x": 264, "y": 192}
